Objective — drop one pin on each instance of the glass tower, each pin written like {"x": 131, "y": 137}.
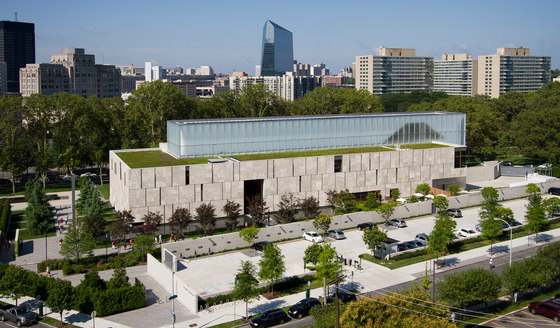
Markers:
{"x": 17, "y": 48}
{"x": 277, "y": 51}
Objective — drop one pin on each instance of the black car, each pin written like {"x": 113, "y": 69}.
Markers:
{"x": 301, "y": 309}
{"x": 364, "y": 225}
{"x": 261, "y": 245}
{"x": 507, "y": 163}
{"x": 554, "y": 191}
{"x": 269, "y": 318}
{"x": 343, "y": 296}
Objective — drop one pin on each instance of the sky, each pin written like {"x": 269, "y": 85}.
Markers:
{"x": 227, "y": 35}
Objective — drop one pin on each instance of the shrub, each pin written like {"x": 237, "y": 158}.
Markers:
{"x": 118, "y": 300}
{"x": 408, "y": 255}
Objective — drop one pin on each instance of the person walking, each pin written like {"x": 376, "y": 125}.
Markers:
{"x": 48, "y": 272}
{"x": 491, "y": 263}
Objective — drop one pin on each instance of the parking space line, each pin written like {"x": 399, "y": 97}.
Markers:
{"x": 541, "y": 318}
{"x": 526, "y": 324}
{"x": 497, "y": 324}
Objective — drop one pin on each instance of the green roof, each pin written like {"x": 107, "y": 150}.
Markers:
{"x": 157, "y": 158}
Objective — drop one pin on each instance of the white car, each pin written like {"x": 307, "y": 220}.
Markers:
{"x": 466, "y": 232}
{"x": 313, "y": 237}
{"x": 88, "y": 174}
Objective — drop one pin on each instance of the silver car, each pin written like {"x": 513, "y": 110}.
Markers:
{"x": 336, "y": 234}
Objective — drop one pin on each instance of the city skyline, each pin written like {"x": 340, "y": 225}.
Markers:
{"x": 227, "y": 36}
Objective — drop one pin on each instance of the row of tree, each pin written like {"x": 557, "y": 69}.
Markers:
{"x": 65, "y": 130}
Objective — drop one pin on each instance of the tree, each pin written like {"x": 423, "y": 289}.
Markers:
{"x": 332, "y": 196}
{"x": 535, "y": 216}
{"x": 287, "y": 208}
{"x": 12, "y": 283}
{"x": 372, "y": 201}
{"x": 387, "y": 311}
{"x": 469, "y": 287}
{"x": 77, "y": 242}
{"x": 345, "y": 203}
{"x": 94, "y": 224}
{"x": 373, "y": 238}
{"x": 37, "y": 213}
{"x": 246, "y": 286}
{"x": 272, "y": 266}
{"x": 423, "y": 189}
{"x": 61, "y": 297}
{"x": 386, "y": 210}
{"x": 249, "y": 234}
{"x": 119, "y": 278}
{"x": 322, "y": 222}
{"x": 442, "y": 234}
{"x": 122, "y": 226}
{"x": 151, "y": 222}
{"x": 206, "y": 217}
{"x": 310, "y": 207}
{"x": 491, "y": 228}
{"x": 552, "y": 205}
{"x": 232, "y": 210}
{"x": 328, "y": 265}
{"x": 441, "y": 203}
{"x": 257, "y": 210}
{"x": 144, "y": 243}
{"x": 312, "y": 253}
{"x": 14, "y": 150}
{"x": 395, "y": 194}
{"x": 529, "y": 273}
{"x": 453, "y": 189}
{"x": 180, "y": 219}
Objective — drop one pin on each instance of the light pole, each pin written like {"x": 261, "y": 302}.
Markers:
{"x": 510, "y": 237}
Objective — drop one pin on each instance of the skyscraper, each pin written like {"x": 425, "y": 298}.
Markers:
{"x": 277, "y": 50}
{"x": 17, "y": 48}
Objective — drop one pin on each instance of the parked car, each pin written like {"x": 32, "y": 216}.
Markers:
{"x": 545, "y": 165}
{"x": 336, "y": 234}
{"x": 20, "y": 315}
{"x": 466, "y": 232}
{"x": 312, "y": 236}
{"x": 455, "y": 212}
{"x": 53, "y": 197}
{"x": 423, "y": 238}
{"x": 404, "y": 246}
{"x": 397, "y": 223}
{"x": 343, "y": 296}
{"x": 363, "y": 226}
{"x": 507, "y": 163}
{"x": 88, "y": 175}
{"x": 478, "y": 227}
{"x": 554, "y": 191}
{"x": 269, "y": 318}
{"x": 301, "y": 308}
{"x": 549, "y": 309}
{"x": 261, "y": 245}
{"x": 415, "y": 243}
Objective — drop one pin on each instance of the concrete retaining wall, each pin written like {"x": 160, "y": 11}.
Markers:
{"x": 489, "y": 171}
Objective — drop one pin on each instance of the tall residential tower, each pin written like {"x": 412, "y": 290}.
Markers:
{"x": 456, "y": 74}
{"x": 277, "y": 50}
{"x": 17, "y": 48}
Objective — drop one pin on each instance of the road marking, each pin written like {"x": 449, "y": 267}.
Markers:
{"x": 526, "y": 324}
{"x": 494, "y": 323}
{"x": 540, "y": 318}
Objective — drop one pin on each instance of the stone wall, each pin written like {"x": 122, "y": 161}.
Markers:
{"x": 163, "y": 189}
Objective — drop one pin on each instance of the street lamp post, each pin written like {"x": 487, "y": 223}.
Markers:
{"x": 510, "y": 237}
{"x": 106, "y": 240}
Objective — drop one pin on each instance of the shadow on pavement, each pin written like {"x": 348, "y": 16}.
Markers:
{"x": 268, "y": 306}
{"x": 499, "y": 249}
{"x": 27, "y": 248}
{"x": 450, "y": 262}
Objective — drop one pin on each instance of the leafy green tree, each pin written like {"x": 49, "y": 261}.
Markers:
{"x": 345, "y": 203}
{"x": 180, "y": 219}
{"x": 441, "y": 203}
{"x": 76, "y": 243}
{"x": 14, "y": 150}
{"x": 325, "y": 316}
{"x": 257, "y": 210}
{"x": 531, "y": 272}
{"x": 442, "y": 234}
{"x": 412, "y": 199}
{"x": 287, "y": 208}
{"x": 330, "y": 100}
{"x": 246, "y": 285}
{"x": 469, "y": 287}
{"x": 151, "y": 222}
{"x": 122, "y": 226}
{"x": 272, "y": 266}
{"x": 87, "y": 290}
{"x": 328, "y": 265}
{"x": 552, "y": 205}
{"x": 386, "y": 210}
{"x": 372, "y": 201}
{"x": 322, "y": 222}
{"x": 257, "y": 101}
{"x": 373, "y": 238}
{"x": 232, "y": 210}
{"x": 395, "y": 194}
{"x": 491, "y": 228}
{"x": 37, "y": 213}
{"x": 423, "y": 189}
{"x": 312, "y": 253}
{"x": 535, "y": 216}
{"x": 94, "y": 224}
{"x": 144, "y": 243}
{"x": 249, "y": 233}
{"x": 61, "y": 297}
{"x": 453, "y": 189}
{"x": 12, "y": 283}
{"x": 206, "y": 217}
{"x": 119, "y": 278}
{"x": 310, "y": 207}
{"x": 332, "y": 196}
{"x": 387, "y": 311}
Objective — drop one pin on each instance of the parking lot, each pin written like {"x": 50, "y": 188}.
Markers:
{"x": 521, "y": 319}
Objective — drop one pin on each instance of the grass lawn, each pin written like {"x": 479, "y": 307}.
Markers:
{"x": 423, "y": 146}
{"x": 155, "y": 158}
{"x": 104, "y": 190}
{"x": 56, "y": 323}
{"x": 308, "y": 153}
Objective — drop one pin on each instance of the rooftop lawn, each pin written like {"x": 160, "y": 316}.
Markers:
{"x": 156, "y": 158}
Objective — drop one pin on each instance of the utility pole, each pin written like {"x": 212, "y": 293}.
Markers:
{"x": 434, "y": 282}
{"x": 336, "y": 281}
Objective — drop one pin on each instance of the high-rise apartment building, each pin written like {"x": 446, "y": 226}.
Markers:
{"x": 153, "y": 72}
{"x": 394, "y": 70}
{"x": 17, "y": 48}
{"x": 72, "y": 71}
{"x": 287, "y": 87}
{"x": 512, "y": 69}
{"x": 456, "y": 74}
{"x": 277, "y": 50}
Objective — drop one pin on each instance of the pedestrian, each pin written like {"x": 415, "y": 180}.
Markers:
{"x": 113, "y": 245}
{"x": 130, "y": 243}
{"x": 183, "y": 236}
{"x": 160, "y": 239}
{"x": 61, "y": 220}
{"x": 48, "y": 272}
{"x": 124, "y": 243}
{"x": 491, "y": 263}
{"x": 171, "y": 239}
{"x": 66, "y": 220}
{"x": 155, "y": 240}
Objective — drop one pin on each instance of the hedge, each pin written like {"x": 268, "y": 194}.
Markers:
{"x": 123, "y": 299}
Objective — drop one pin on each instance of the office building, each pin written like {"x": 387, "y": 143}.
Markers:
{"x": 277, "y": 50}
{"x": 456, "y": 74}
{"x": 17, "y": 49}
{"x": 394, "y": 70}
{"x": 153, "y": 72}
{"x": 72, "y": 71}
{"x": 319, "y": 70}
{"x": 224, "y": 174}
{"x": 3, "y": 78}
{"x": 512, "y": 69}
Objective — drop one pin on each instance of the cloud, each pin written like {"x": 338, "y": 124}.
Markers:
{"x": 89, "y": 29}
